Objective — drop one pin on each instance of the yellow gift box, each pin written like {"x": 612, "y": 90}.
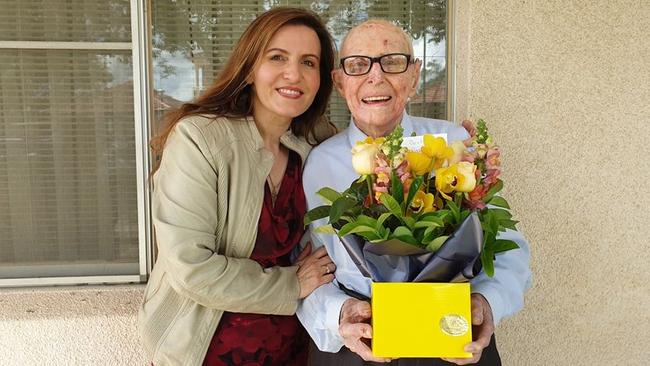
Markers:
{"x": 421, "y": 319}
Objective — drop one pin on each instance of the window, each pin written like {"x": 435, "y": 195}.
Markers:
{"x": 67, "y": 141}
{"x": 74, "y": 116}
{"x": 193, "y": 39}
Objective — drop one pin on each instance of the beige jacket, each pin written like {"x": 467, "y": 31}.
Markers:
{"x": 206, "y": 204}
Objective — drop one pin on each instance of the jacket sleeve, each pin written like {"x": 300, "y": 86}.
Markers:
{"x": 185, "y": 217}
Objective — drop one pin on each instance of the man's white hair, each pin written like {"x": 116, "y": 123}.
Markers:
{"x": 384, "y": 23}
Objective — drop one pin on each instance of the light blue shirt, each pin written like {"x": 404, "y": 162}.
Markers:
{"x": 330, "y": 165}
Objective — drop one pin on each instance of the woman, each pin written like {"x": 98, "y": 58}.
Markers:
{"x": 228, "y": 204}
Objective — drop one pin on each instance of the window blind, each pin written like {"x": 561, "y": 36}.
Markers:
{"x": 67, "y": 140}
{"x": 193, "y": 39}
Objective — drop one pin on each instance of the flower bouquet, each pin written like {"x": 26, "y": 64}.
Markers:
{"x": 422, "y": 210}
{"x": 409, "y": 202}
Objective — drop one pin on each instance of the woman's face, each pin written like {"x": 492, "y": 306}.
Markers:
{"x": 286, "y": 80}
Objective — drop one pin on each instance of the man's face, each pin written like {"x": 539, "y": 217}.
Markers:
{"x": 376, "y": 99}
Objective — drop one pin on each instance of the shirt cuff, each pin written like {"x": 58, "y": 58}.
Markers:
{"x": 335, "y": 303}
{"x": 493, "y": 298}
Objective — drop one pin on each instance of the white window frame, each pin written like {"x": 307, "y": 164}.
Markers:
{"x": 141, "y": 59}
{"x": 451, "y": 60}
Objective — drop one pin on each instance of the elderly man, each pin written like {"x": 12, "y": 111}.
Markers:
{"x": 377, "y": 76}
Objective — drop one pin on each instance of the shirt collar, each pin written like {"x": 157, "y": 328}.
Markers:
{"x": 355, "y": 134}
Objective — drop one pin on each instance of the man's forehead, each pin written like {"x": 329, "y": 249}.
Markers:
{"x": 376, "y": 38}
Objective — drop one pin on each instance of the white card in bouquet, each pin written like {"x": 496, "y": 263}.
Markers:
{"x": 415, "y": 143}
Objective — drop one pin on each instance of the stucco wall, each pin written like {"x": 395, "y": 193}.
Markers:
{"x": 84, "y": 325}
{"x": 565, "y": 86}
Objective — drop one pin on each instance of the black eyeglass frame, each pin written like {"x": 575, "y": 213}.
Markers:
{"x": 374, "y": 60}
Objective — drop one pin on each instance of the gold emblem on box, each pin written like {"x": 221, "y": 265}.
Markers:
{"x": 454, "y": 325}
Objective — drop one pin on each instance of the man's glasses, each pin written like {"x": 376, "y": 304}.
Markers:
{"x": 392, "y": 63}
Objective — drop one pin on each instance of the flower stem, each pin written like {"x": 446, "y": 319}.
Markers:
{"x": 369, "y": 181}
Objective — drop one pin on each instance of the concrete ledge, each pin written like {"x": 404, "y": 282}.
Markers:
{"x": 85, "y": 325}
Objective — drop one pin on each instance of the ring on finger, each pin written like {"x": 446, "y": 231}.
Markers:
{"x": 327, "y": 269}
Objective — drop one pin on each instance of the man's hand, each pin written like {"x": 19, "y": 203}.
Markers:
{"x": 354, "y": 328}
{"x": 482, "y": 329}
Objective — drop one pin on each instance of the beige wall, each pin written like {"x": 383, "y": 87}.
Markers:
{"x": 566, "y": 87}
{"x": 66, "y": 326}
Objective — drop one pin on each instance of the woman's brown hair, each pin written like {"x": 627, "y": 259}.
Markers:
{"x": 230, "y": 95}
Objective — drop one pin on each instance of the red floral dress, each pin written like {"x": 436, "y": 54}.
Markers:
{"x": 258, "y": 339}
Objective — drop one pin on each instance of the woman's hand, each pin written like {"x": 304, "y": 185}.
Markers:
{"x": 313, "y": 270}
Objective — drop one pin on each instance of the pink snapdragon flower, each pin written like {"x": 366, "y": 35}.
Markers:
{"x": 474, "y": 198}
{"x": 493, "y": 158}
{"x": 491, "y": 177}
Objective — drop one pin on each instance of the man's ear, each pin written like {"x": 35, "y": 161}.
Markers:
{"x": 337, "y": 78}
{"x": 417, "y": 66}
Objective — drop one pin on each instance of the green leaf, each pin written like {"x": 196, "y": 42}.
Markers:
{"x": 383, "y": 235}
{"x": 463, "y": 214}
{"x": 489, "y": 223}
{"x": 325, "y": 229}
{"x": 415, "y": 185}
{"x": 500, "y": 214}
{"x": 429, "y": 221}
{"x": 437, "y": 243}
{"x": 410, "y": 222}
{"x": 392, "y": 205}
{"x": 357, "y": 228}
{"x": 455, "y": 210}
{"x": 348, "y": 218}
{"x": 429, "y": 234}
{"x": 339, "y": 206}
{"x": 372, "y": 237}
{"x": 316, "y": 214}
{"x": 425, "y": 224}
{"x": 396, "y": 187}
{"x": 494, "y": 190}
{"x": 442, "y": 214}
{"x": 508, "y": 224}
{"x": 487, "y": 260}
{"x": 501, "y": 245}
{"x": 404, "y": 234}
{"x": 382, "y": 218}
{"x": 499, "y": 202}
{"x": 328, "y": 195}
{"x": 437, "y": 217}
{"x": 366, "y": 220}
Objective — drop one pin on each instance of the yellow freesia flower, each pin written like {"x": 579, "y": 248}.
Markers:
{"x": 456, "y": 178}
{"x": 419, "y": 163}
{"x": 433, "y": 155}
{"x": 422, "y": 202}
{"x": 437, "y": 149}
